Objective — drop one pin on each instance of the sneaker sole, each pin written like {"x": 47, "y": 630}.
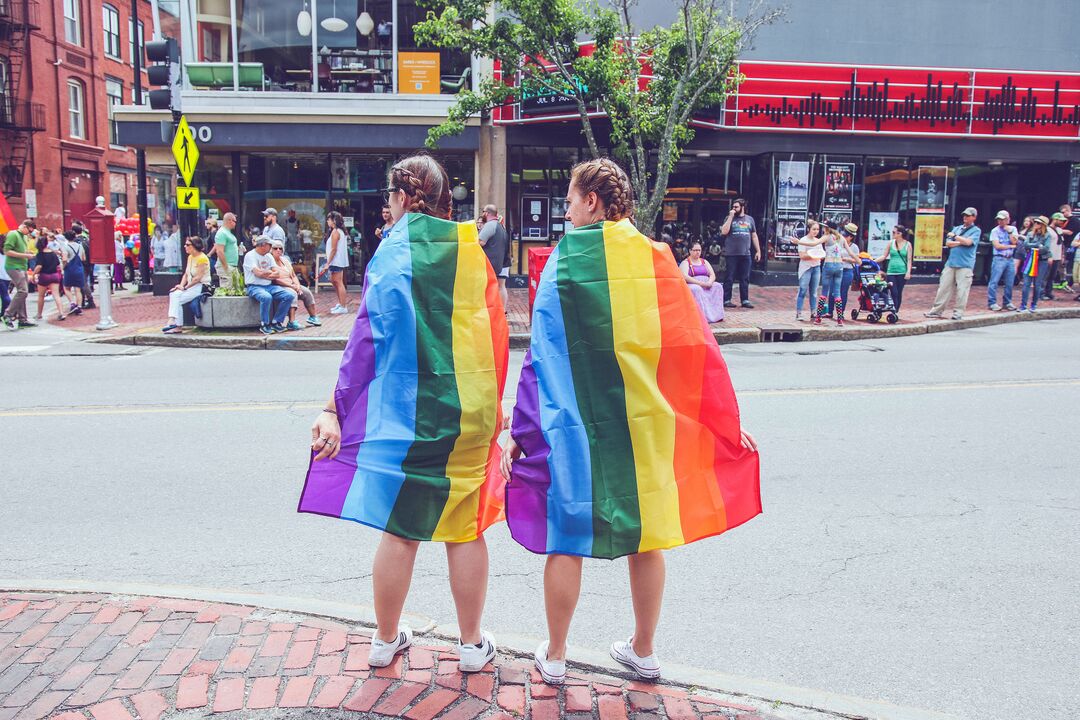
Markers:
{"x": 549, "y": 679}
{"x": 390, "y": 662}
{"x": 641, "y": 672}
{"x": 477, "y": 668}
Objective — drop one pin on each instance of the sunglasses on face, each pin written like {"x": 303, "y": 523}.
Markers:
{"x": 187, "y": 244}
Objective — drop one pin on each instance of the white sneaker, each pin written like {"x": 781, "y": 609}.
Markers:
{"x": 552, "y": 671}
{"x": 382, "y": 653}
{"x": 647, "y": 668}
{"x": 339, "y": 310}
{"x": 473, "y": 658}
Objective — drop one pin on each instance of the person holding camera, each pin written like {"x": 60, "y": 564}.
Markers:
{"x": 740, "y": 233}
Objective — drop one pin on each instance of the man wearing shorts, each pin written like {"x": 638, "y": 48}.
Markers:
{"x": 496, "y": 243}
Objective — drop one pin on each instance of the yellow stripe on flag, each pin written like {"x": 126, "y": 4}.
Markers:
{"x": 474, "y": 366}
{"x": 635, "y": 316}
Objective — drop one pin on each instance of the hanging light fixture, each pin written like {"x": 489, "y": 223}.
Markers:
{"x": 364, "y": 23}
{"x": 303, "y": 21}
{"x": 334, "y": 23}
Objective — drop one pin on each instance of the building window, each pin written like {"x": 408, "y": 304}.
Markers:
{"x": 5, "y": 95}
{"x": 76, "y": 117}
{"x": 110, "y": 21}
{"x": 72, "y": 22}
{"x": 131, "y": 42}
{"x": 114, "y": 93}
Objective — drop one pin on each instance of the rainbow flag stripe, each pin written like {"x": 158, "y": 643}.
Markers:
{"x": 1031, "y": 264}
{"x": 625, "y": 413}
{"x": 419, "y": 391}
{"x": 7, "y": 217}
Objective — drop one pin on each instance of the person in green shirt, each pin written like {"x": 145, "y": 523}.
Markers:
{"x": 15, "y": 256}
{"x": 226, "y": 250}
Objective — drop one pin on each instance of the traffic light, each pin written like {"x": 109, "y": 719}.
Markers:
{"x": 165, "y": 73}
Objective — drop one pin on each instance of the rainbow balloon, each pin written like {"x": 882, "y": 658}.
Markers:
{"x": 7, "y": 217}
{"x": 419, "y": 391}
{"x": 625, "y": 412}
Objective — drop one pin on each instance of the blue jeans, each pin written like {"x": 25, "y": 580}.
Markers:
{"x": 1033, "y": 285}
{"x": 5, "y": 299}
{"x": 809, "y": 282}
{"x": 267, "y": 295}
{"x": 831, "y": 276}
{"x": 1002, "y": 269}
{"x": 845, "y": 285}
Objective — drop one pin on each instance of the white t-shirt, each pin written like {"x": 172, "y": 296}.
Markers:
{"x": 254, "y": 260}
{"x": 1055, "y": 246}
{"x": 341, "y": 255}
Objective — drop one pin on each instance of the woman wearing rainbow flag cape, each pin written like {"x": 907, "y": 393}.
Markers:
{"x": 408, "y": 442}
{"x": 626, "y": 437}
{"x": 1037, "y": 244}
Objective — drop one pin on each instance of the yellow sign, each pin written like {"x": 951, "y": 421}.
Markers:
{"x": 929, "y": 231}
{"x": 418, "y": 73}
{"x": 187, "y": 198}
{"x": 185, "y": 151}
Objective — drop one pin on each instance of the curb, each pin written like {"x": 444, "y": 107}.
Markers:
{"x": 520, "y": 341}
{"x": 519, "y": 646}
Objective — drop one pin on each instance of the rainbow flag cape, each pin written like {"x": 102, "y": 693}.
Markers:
{"x": 1031, "y": 264}
{"x": 625, "y": 413}
{"x": 419, "y": 391}
{"x": 7, "y": 218}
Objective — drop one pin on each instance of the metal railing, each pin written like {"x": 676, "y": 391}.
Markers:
{"x": 19, "y": 14}
{"x": 21, "y": 115}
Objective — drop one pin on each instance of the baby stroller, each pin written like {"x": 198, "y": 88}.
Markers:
{"x": 874, "y": 296}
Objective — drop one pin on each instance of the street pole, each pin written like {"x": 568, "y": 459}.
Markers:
{"x": 140, "y": 163}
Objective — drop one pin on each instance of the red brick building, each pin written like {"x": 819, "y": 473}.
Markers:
{"x": 74, "y": 63}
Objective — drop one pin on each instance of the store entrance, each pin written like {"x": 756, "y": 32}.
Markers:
{"x": 1022, "y": 189}
{"x": 363, "y": 218}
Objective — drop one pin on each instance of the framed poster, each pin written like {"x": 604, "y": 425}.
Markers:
{"x": 929, "y": 235}
{"x": 793, "y": 185}
{"x": 534, "y": 217}
{"x": 418, "y": 73}
{"x": 339, "y": 172}
{"x": 839, "y": 187}
{"x": 879, "y": 232}
{"x": 789, "y": 228}
{"x": 933, "y": 179}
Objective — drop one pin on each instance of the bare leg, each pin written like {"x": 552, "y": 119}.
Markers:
{"x": 468, "y": 564}
{"x": 56, "y": 296}
{"x": 391, "y": 576}
{"x": 562, "y": 586}
{"x": 40, "y": 300}
{"x": 647, "y": 591}
{"x": 338, "y": 279}
{"x": 503, "y": 295}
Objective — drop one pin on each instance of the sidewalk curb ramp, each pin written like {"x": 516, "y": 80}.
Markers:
{"x": 520, "y": 341}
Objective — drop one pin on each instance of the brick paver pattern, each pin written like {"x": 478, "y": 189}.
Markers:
{"x": 98, "y": 657}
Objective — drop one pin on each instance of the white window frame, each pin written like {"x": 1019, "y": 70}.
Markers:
{"x": 134, "y": 47}
{"x": 5, "y": 88}
{"x": 110, "y": 24}
{"x": 76, "y": 110}
{"x": 111, "y": 101}
{"x": 73, "y": 22}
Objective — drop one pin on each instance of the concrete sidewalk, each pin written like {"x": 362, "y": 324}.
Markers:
{"x": 141, "y": 317}
{"x": 119, "y": 657}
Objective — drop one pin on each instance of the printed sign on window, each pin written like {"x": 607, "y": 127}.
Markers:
{"x": 418, "y": 73}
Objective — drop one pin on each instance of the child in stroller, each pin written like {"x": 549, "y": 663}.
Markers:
{"x": 874, "y": 296}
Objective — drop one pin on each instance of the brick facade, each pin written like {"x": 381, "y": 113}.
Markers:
{"x": 69, "y": 172}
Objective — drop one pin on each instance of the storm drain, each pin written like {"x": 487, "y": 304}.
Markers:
{"x": 783, "y": 334}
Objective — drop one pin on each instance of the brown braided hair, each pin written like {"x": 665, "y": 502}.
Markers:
{"x": 425, "y": 181}
{"x": 610, "y": 183}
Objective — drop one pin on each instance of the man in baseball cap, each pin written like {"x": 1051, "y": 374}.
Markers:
{"x": 1057, "y": 250}
{"x": 1002, "y": 268}
{"x": 956, "y": 276}
{"x": 260, "y": 272}
{"x": 270, "y": 225}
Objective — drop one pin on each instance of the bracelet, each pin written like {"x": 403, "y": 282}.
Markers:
{"x": 327, "y": 410}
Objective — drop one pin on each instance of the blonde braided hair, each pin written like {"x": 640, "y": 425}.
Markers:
{"x": 604, "y": 177}
{"x": 425, "y": 181}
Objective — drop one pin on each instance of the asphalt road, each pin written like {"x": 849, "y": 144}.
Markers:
{"x": 918, "y": 546}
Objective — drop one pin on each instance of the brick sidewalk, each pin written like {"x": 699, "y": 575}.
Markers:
{"x": 774, "y": 307}
{"x": 99, "y": 657}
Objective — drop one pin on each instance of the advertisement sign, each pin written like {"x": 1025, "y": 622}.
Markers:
{"x": 839, "y": 187}
{"x": 418, "y": 73}
{"x": 339, "y": 172}
{"x": 534, "y": 217}
{"x": 789, "y": 228}
{"x": 792, "y": 185}
{"x": 933, "y": 180}
{"x": 879, "y": 232}
{"x": 30, "y": 196}
{"x": 929, "y": 234}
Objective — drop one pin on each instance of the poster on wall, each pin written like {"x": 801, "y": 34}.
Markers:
{"x": 929, "y": 234}
{"x": 339, "y": 172}
{"x": 933, "y": 180}
{"x": 418, "y": 73}
{"x": 792, "y": 185}
{"x": 789, "y": 228}
{"x": 839, "y": 187}
{"x": 879, "y": 232}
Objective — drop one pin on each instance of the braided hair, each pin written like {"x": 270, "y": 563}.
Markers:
{"x": 425, "y": 182}
{"x": 610, "y": 183}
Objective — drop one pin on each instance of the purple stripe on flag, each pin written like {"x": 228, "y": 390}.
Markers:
{"x": 526, "y": 497}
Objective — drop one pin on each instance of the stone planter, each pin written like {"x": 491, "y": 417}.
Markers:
{"x": 163, "y": 282}
{"x": 229, "y": 313}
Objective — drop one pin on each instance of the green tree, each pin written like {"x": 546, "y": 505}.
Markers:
{"x": 691, "y": 64}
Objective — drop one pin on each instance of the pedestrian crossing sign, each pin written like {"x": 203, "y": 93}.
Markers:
{"x": 187, "y": 198}
{"x": 185, "y": 151}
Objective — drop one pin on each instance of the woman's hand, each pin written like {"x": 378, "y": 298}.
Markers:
{"x": 747, "y": 440}
{"x": 511, "y": 452}
{"x": 325, "y": 436}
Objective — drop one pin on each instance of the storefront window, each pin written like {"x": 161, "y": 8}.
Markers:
{"x": 423, "y": 69}
{"x": 359, "y": 57}
{"x": 298, "y": 187}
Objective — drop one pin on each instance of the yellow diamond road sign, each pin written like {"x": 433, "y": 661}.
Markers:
{"x": 187, "y": 198}
{"x": 185, "y": 151}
